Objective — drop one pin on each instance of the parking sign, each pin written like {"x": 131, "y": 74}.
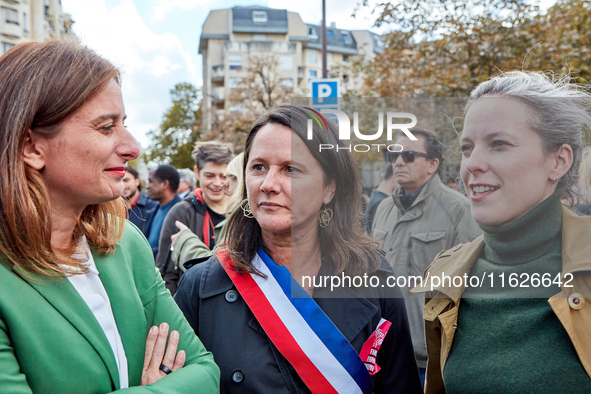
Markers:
{"x": 325, "y": 91}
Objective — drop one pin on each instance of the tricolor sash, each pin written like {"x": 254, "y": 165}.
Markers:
{"x": 301, "y": 331}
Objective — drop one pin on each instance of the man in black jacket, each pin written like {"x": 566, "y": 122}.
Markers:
{"x": 139, "y": 207}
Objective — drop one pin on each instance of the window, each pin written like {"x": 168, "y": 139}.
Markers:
{"x": 329, "y": 34}
{"x": 259, "y": 16}
{"x": 312, "y": 32}
{"x": 235, "y": 62}
{"x": 312, "y": 56}
{"x": 10, "y": 16}
{"x": 25, "y": 23}
{"x": 236, "y": 107}
{"x": 287, "y": 82}
{"x": 347, "y": 38}
{"x": 259, "y": 37}
{"x": 345, "y": 58}
{"x": 6, "y": 46}
{"x": 286, "y": 63}
{"x": 312, "y": 73}
{"x": 234, "y": 82}
{"x": 329, "y": 57}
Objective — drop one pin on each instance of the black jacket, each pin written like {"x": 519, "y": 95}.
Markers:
{"x": 142, "y": 213}
{"x": 248, "y": 360}
{"x": 191, "y": 212}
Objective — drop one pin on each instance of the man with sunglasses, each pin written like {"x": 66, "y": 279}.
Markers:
{"x": 422, "y": 218}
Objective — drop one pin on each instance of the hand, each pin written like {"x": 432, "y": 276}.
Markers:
{"x": 181, "y": 227}
{"x": 155, "y": 355}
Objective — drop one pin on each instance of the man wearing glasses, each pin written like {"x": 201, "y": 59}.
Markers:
{"x": 422, "y": 218}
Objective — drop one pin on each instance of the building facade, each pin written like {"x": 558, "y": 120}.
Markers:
{"x": 24, "y": 20}
{"x": 231, "y": 37}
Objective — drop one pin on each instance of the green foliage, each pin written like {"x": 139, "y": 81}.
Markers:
{"x": 173, "y": 142}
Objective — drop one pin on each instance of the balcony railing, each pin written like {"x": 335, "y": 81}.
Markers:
{"x": 217, "y": 94}
{"x": 217, "y": 72}
{"x": 10, "y": 27}
{"x": 260, "y": 46}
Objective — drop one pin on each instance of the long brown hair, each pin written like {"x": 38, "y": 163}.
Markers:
{"x": 345, "y": 246}
{"x": 41, "y": 85}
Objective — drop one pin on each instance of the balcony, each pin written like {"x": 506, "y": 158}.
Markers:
{"x": 260, "y": 46}
{"x": 10, "y": 28}
{"x": 217, "y": 94}
{"x": 217, "y": 73}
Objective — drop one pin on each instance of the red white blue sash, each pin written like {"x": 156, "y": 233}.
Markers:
{"x": 305, "y": 336}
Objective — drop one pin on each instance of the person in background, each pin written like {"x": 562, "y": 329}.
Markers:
{"x": 300, "y": 216}
{"x": 422, "y": 218}
{"x": 163, "y": 183}
{"x": 583, "y": 205}
{"x": 187, "y": 182}
{"x": 139, "y": 206}
{"x": 188, "y": 246}
{"x": 202, "y": 210}
{"x": 384, "y": 189}
{"x": 521, "y": 143}
{"x": 82, "y": 307}
{"x": 452, "y": 183}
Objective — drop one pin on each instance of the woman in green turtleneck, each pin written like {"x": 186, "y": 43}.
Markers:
{"x": 520, "y": 143}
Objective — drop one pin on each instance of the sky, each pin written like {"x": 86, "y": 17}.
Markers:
{"x": 154, "y": 43}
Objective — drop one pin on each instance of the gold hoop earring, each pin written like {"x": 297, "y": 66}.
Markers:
{"x": 246, "y": 209}
{"x": 325, "y": 217}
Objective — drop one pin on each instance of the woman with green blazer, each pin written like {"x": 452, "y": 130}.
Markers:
{"x": 82, "y": 306}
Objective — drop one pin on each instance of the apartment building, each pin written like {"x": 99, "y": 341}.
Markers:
{"x": 24, "y": 20}
{"x": 231, "y": 37}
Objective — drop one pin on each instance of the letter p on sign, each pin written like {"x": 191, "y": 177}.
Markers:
{"x": 324, "y": 90}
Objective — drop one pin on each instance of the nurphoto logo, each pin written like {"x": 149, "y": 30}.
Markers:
{"x": 344, "y": 124}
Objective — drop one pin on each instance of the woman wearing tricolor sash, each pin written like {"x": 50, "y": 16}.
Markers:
{"x": 258, "y": 305}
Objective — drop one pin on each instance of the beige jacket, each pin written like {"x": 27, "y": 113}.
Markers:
{"x": 438, "y": 219}
{"x": 442, "y": 304}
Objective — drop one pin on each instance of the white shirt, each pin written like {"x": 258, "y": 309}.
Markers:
{"x": 92, "y": 291}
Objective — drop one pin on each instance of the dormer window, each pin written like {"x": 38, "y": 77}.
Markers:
{"x": 259, "y": 16}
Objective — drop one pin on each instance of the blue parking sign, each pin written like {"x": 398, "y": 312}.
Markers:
{"x": 325, "y": 91}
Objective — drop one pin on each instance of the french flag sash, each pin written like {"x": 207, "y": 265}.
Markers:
{"x": 305, "y": 336}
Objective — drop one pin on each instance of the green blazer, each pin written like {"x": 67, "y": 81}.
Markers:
{"x": 50, "y": 342}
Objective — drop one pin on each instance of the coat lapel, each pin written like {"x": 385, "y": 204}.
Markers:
{"x": 60, "y": 293}
{"x": 348, "y": 311}
{"x": 127, "y": 308}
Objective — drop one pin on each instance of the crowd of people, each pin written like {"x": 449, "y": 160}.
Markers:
{"x": 202, "y": 284}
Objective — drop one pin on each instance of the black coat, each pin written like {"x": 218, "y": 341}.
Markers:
{"x": 142, "y": 213}
{"x": 248, "y": 360}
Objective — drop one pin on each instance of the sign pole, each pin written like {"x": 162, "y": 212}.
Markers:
{"x": 324, "y": 68}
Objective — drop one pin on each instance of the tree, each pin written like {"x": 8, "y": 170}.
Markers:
{"x": 446, "y": 47}
{"x": 563, "y": 39}
{"x": 173, "y": 142}
{"x": 260, "y": 89}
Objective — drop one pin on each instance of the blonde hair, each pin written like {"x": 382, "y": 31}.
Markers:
{"x": 234, "y": 169}
{"x": 584, "y": 173}
{"x": 41, "y": 85}
{"x": 559, "y": 110}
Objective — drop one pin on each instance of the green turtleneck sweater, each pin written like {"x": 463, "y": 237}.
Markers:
{"x": 508, "y": 339}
